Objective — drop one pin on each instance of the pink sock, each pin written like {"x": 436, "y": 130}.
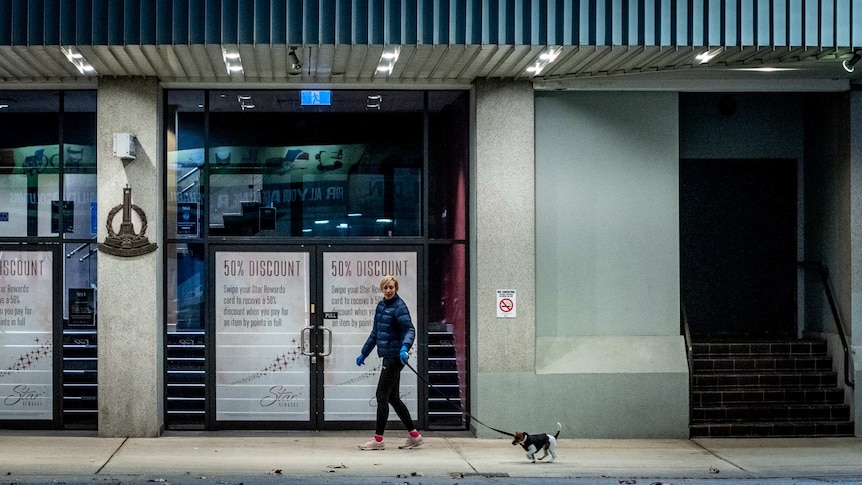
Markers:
{"x": 378, "y": 438}
{"x": 414, "y": 433}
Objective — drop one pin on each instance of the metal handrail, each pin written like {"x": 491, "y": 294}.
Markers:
{"x": 839, "y": 324}
{"x": 687, "y": 334}
{"x": 688, "y": 354}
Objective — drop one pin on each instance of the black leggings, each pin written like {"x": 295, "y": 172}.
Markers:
{"x": 388, "y": 392}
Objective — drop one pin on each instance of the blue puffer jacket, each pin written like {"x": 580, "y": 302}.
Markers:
{"x": 392, "y": 328}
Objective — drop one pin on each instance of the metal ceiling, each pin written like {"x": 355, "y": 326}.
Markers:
{"x": 442, "y": 42}
{"x": 417, "y": 65}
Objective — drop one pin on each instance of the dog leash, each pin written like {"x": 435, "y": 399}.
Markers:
{"x": 457, "y": 403}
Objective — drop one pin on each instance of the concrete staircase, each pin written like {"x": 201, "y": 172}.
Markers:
{"x": 766, "y": 389}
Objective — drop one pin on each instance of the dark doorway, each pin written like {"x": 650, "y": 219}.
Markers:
{"x": 738, "y": 247}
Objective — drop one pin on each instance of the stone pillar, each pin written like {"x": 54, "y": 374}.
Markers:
{"x": 855, "y": 321}
{"x": 130, "y": 296}
{"x": 503, "y": 248}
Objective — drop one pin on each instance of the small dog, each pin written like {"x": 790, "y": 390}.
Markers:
{"x": 532, "y": 443}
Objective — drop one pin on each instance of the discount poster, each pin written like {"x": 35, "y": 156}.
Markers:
{"x": 261, "y": 307}
{"x": 351, "y": 291}
{"x": 26, "y": 322}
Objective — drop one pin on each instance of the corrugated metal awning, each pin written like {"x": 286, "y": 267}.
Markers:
{"x": 441, "y": 42}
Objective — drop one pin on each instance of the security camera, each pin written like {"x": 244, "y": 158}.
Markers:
{"x": 295, "y": 65}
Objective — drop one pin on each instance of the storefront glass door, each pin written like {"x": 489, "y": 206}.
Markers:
{"x": 289, "y": 323}
{"x": 351, "y": 291}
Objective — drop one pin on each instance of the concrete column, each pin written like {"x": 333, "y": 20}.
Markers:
{"x": 855, "y": 321}
{"x": 131, "y": 378}
{"x": 503, "y": 234}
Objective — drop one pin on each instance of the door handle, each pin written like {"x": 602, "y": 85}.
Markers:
{"x": 328, "y": 340}
{"x": 305, "y": 341}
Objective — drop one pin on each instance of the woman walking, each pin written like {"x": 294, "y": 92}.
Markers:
{"x": 393, "y": 334}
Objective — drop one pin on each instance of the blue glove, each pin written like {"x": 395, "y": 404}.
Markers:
{"x": 360, "y": 360}
{"x": 404, "y": 356}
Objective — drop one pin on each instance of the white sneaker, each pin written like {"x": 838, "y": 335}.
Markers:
{"x": 412, "y": 442}
{"x": 372, "y": 445}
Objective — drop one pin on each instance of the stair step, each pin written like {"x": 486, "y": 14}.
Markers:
{"x": 776, "y": 413}
{"x": 778, "y": 395}
{"x": 803, "y": 347}
{"x": 763, "y": 388}
{"x": 770, "y": 363}
{"x": 712, "y": 380}
{"x": 772, "y": 429}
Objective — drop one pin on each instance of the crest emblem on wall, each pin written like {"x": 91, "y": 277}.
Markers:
{"x": 126, "y": 242}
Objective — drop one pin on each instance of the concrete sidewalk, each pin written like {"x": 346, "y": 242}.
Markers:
{"x": 330, "y": 454}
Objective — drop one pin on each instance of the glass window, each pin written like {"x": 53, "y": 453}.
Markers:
{"x": 185, "y": 350}
{"x": 350, "y": 168}
{"x": 447, "y": 335}
{"x": 80, "y": 359}
{"x": 78, "y": 210}
{"x": 75, "y": 219}
{"x": 448, "y": 136}
{"x": 185, "y": 149}
{"x": 269, "y": 166}
{"x": 29, "y": 162}
{"x": 48, "y": 187}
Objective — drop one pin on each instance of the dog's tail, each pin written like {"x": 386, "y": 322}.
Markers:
{"x": 559, "y": 428}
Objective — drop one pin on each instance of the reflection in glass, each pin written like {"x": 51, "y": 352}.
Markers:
{"x": 185, "y": 157}
{"x": 448, "y": 130}
{"x": 186, "y": 287}
{"x": 80, "y": 349}
{"x": 29, "y": 162}
{"x": 447, "y": 336}
{"x": 185, "y": 352}
{"x": 283, "y": 169}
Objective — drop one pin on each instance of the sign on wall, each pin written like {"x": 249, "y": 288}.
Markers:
{"x": 351, "y": 285}
{"x": 26, "y": 343}
{"x": 261, "y": 307}
{"x": 506, "y": 304}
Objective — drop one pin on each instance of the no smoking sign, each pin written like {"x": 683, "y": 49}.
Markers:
{"x": 506, "y": 306}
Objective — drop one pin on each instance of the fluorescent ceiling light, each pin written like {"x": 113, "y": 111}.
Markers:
{"x": 388, "y": 58}
{"x": 77, "y": 59}
{"x": 232, "y": 60}
{"x": 767, "y": 69}
{"x": 545, "y": 58}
